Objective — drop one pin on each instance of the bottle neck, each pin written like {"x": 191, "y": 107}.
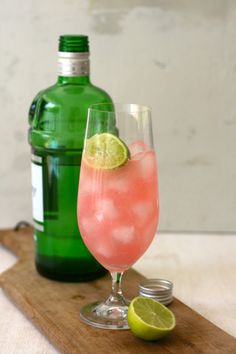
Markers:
{"x": 73, "y": 67}
{"x": 76, "y": 80}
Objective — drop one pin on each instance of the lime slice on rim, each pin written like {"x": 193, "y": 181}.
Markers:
{"x": 149, "y": 319}
{"x": 105, "y": 151}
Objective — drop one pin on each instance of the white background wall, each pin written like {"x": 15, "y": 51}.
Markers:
{"x": 178, "y": 56}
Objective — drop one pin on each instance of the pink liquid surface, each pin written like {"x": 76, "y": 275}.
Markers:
{"x": 118, "y": 209}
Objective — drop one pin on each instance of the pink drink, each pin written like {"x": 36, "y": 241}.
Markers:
{"x": 118, "y": 209}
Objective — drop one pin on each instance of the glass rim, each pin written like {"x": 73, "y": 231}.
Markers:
{"x": 128, "y": 107}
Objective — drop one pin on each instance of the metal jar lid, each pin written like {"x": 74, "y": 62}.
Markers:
{"x": 157, "y": 289}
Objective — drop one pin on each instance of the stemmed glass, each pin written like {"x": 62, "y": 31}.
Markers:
{"x": 117, "y": 199}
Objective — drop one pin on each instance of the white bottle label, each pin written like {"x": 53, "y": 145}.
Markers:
{"x": 37, "y": 191}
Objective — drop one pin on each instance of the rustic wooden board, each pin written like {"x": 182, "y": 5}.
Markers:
{"x": 54, "y": 308}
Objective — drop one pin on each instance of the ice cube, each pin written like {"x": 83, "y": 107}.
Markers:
{"x": 119, "y": 185}
{"x": 88, "y": 185}
{"x": 124, "y": 234}
{"x": 147, "y": 165}
{"x": 137, "y": 148}
{"x": 142, "y": 211}
{"x": 151, "y": 229}
{"x": 103, "y": 249}
{"x": 105, "y": 209}
{"x": 88, "y": 225}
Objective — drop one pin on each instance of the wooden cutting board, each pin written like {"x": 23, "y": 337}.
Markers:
{"x": 54, "y": 308}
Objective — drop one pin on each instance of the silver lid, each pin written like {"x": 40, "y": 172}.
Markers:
{"x": 157, "y": 289}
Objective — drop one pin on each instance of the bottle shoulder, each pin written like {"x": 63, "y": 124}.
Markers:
{"x": 58, "y": 114}
{"x": 43, "y": 92}
{"x": 36, "y": 102}
{"x": 59, "y": 93}
{"x": 101, "y": 92}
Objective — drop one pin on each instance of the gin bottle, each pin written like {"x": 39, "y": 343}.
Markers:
{"x": 57, "y": 119}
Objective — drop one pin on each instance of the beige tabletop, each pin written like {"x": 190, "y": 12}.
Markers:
{"x": 202, "y": 268}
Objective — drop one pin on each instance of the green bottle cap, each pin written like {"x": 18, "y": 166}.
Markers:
{"x": 73, "y": 43}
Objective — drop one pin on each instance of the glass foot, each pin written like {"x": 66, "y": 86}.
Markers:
{"x": 101, "y": 315}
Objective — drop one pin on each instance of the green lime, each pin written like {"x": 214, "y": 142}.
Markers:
{"x": 149, "y": 319}
{"x": 105, "y": 151}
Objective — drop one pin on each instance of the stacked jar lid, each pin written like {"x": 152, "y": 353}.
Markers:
{"x": 157, "y": 289}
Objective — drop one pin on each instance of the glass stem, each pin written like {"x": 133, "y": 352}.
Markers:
{"x": 116, "y": 297}
{"x": 116, "y": 284}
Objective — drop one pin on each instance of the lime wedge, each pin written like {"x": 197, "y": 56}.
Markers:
{"x": 149, "y": 319}
{"x": 105, "y": 151}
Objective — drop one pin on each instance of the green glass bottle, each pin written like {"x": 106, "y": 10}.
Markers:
{"x": 57, "y": 119}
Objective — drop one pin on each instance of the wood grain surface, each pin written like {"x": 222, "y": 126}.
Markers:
{"x": 54, "y": 308}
